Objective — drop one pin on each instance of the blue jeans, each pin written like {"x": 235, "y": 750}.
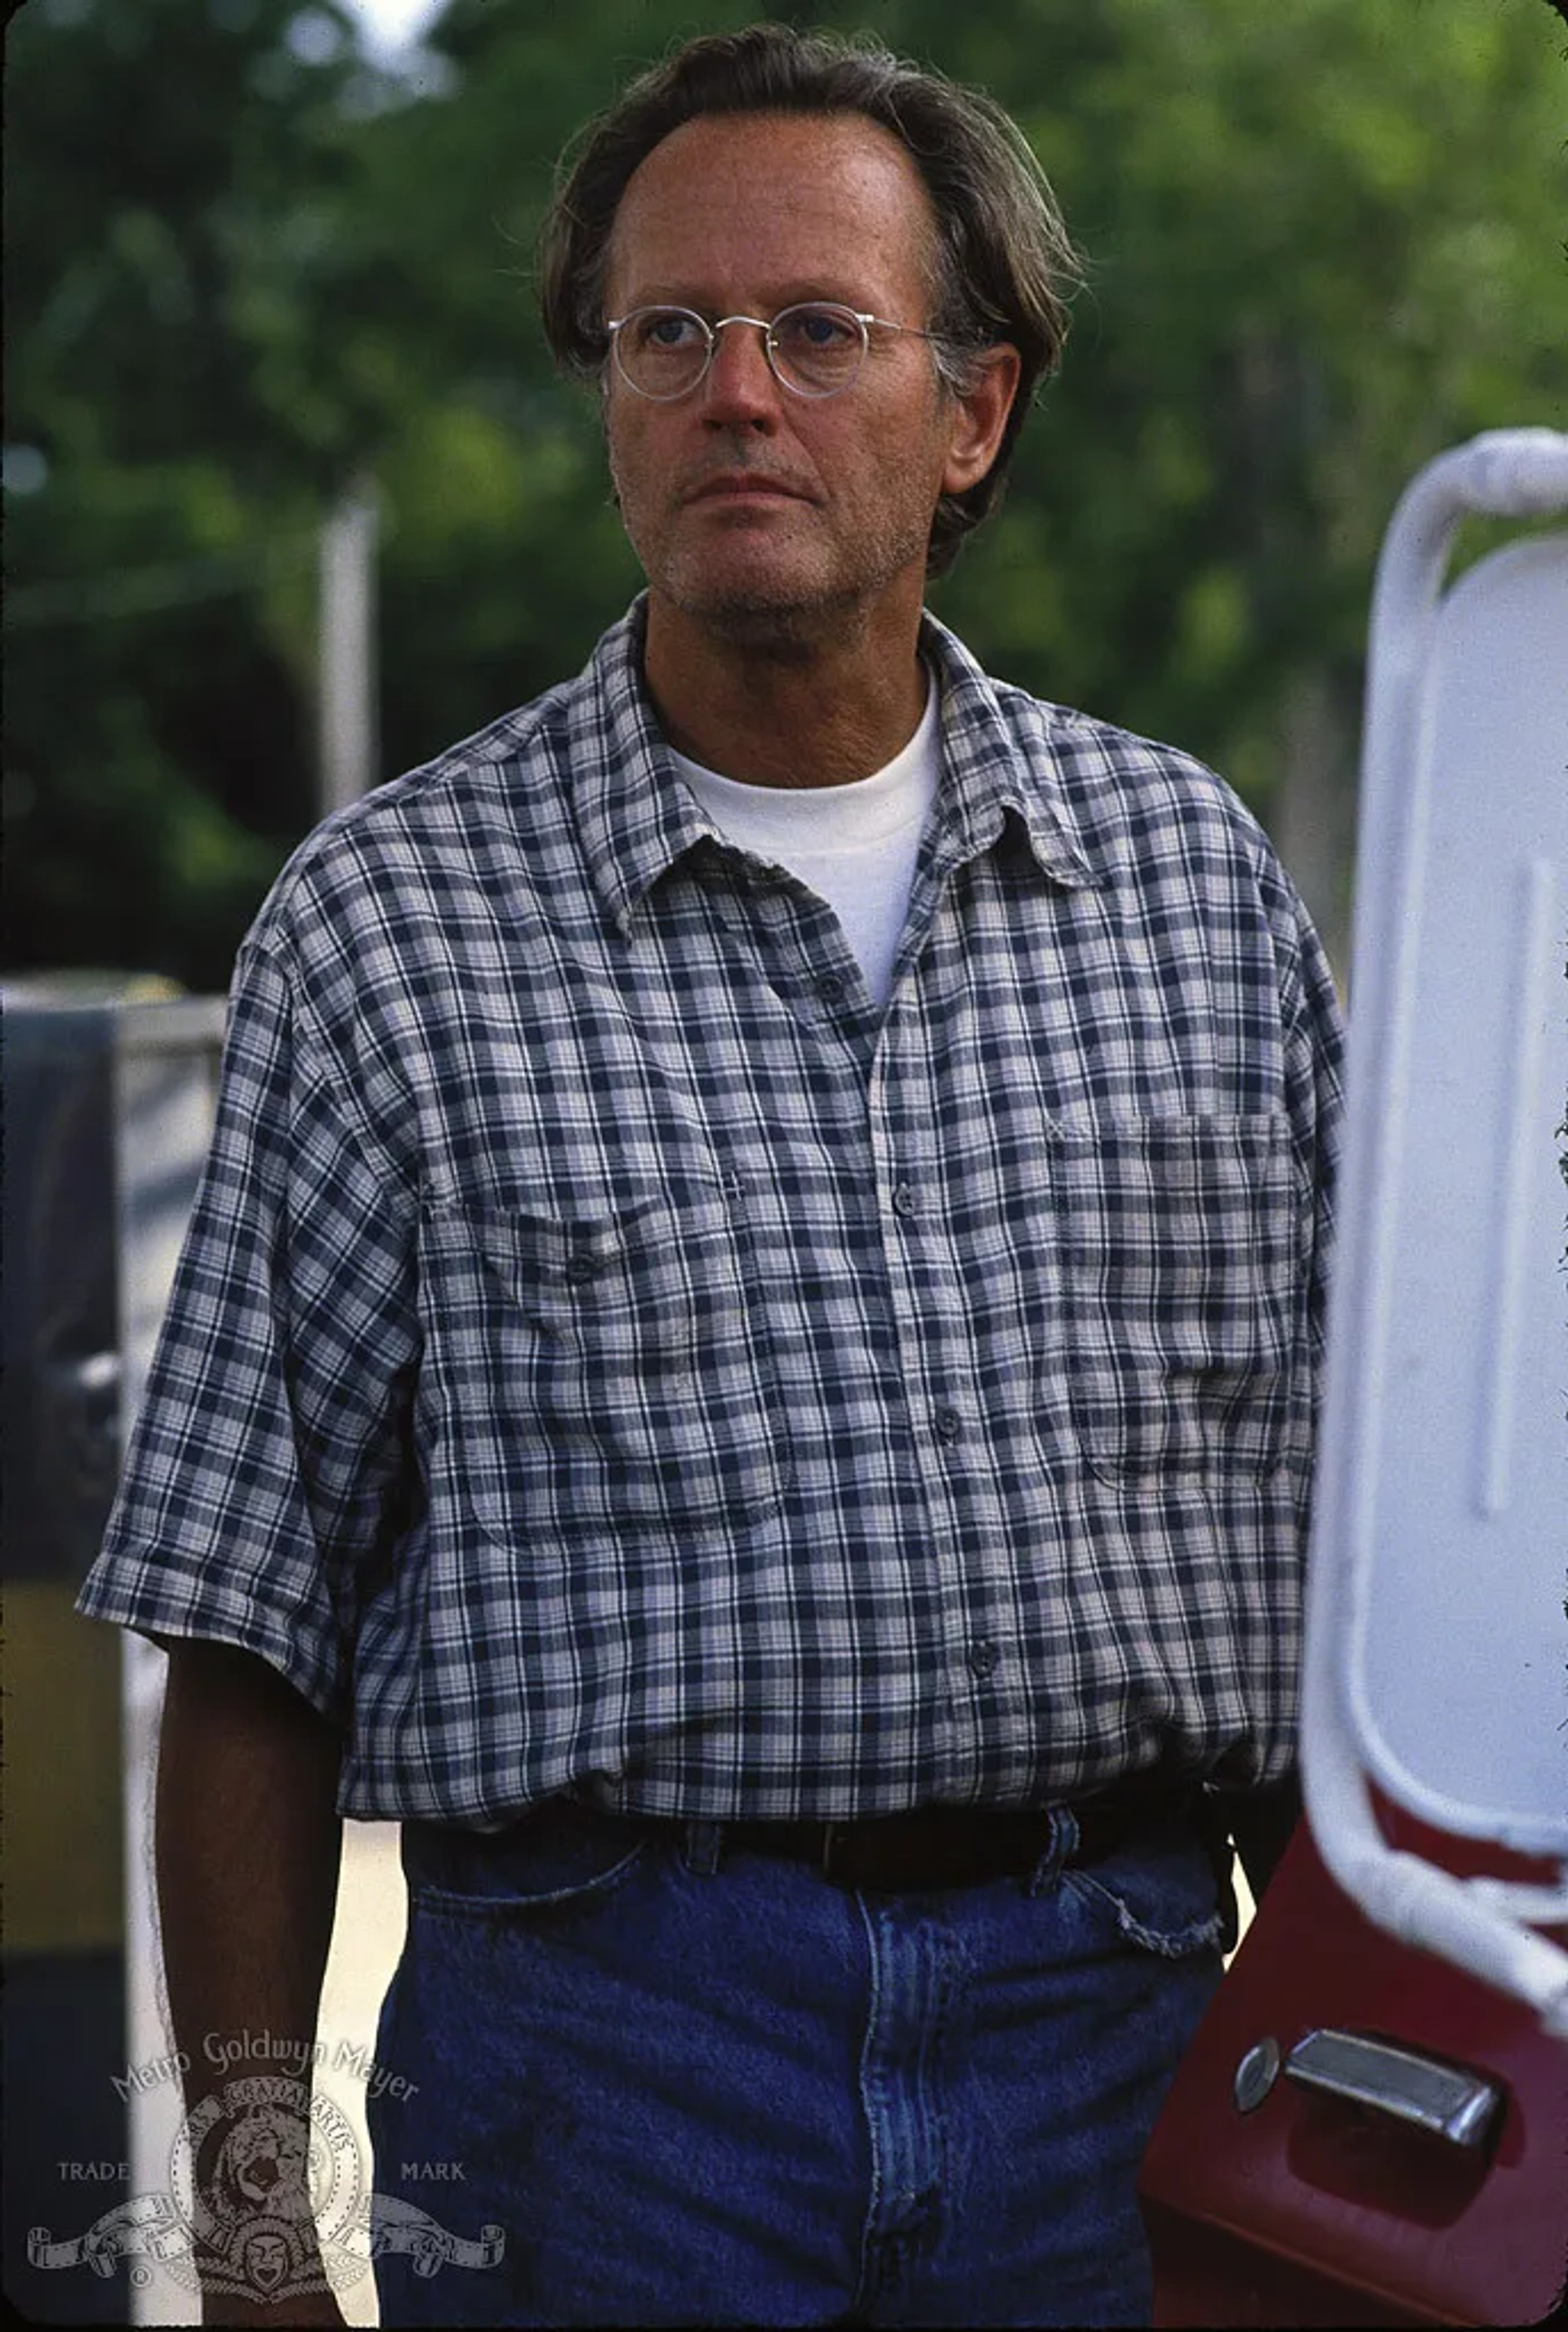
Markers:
{"x": 704, "y": 2087}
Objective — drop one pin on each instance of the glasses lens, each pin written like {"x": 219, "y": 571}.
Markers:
{"x": 817, "y": 347}
{"x": 662, "y": 351}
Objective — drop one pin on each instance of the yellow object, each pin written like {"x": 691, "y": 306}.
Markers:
{"x": 61, "y": 1782}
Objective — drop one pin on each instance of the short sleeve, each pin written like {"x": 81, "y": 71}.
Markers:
{"x": 270, "y": 1471}
{"x": 1314, "y": 1096}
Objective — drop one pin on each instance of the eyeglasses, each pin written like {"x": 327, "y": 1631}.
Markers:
{"x": 815, "y": 349}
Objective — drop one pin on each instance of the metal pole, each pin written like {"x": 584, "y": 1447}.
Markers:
{"x": 347, "y": 672}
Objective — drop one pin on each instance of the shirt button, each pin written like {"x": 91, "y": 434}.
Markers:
{"x": 830, "y": 988}
{"x": 902, "y": 1200}
{"x": 949, "y": 1425}
{"x": 982, "y": 1658}
{"x": 581, "y": 1266}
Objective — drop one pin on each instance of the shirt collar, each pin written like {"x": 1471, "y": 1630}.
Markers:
{"x": 638, "y": 819}
{"x": 999, "y": 757}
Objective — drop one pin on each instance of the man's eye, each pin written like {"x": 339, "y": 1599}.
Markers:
{"x": 817, "y": 328}
{"x": 666, "y": 329}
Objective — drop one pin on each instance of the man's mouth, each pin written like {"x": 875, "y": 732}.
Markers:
{"x": 745, "y": 485}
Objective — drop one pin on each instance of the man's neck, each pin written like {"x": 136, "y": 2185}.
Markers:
{"x": 820, "y": 711}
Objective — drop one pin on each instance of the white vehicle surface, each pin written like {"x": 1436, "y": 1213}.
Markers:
{"x": 1438, "y": 1638}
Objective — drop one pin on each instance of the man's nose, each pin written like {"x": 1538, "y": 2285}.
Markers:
{"x": 739, "y": 386}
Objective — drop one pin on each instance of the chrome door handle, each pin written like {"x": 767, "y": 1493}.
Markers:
{"x": 1445, "y": 2100}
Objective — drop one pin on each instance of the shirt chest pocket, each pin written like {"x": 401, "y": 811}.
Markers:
{"x": 601, "y": 1377}
{"x": 1180, "y": 1279}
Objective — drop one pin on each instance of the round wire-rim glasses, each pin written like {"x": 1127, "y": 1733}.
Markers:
{"x": 815, "y": 348}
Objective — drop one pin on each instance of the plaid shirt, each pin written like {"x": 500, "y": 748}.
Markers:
{"x": 609, "y": 1354}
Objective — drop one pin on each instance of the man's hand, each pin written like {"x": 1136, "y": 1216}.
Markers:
{"x": 248, "y": 1845}
{"x": 312, "y": 2307}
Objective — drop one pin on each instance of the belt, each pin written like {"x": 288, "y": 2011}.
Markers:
{"x": 957, "y": 1845}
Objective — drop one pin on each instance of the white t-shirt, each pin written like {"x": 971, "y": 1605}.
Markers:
{"x": 855, "y": 845}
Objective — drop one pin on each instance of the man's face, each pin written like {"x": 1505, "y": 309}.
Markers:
{"x": 760, "y": 515}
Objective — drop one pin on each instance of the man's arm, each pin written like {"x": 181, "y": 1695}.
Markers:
{"x": 248, "y": 1841}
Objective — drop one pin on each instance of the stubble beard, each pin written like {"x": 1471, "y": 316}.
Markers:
{"x": 787, "y": 629}
{"x": 785, "y": 621}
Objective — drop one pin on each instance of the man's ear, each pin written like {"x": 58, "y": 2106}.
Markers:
{"x": 980, "y": 416}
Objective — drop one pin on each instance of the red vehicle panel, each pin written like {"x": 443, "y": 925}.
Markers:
{"x": 1307, "y": 2209}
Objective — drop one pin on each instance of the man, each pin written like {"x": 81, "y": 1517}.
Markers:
{"x": 745, "y": 1364}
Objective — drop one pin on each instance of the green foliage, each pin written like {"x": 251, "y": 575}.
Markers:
{"x": 1324, "y": 243}
{"x": 174, "y": 173}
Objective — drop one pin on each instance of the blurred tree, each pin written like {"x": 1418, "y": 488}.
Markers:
{"x": 173, "y": 417}
{"x": 1322, "y": 245}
